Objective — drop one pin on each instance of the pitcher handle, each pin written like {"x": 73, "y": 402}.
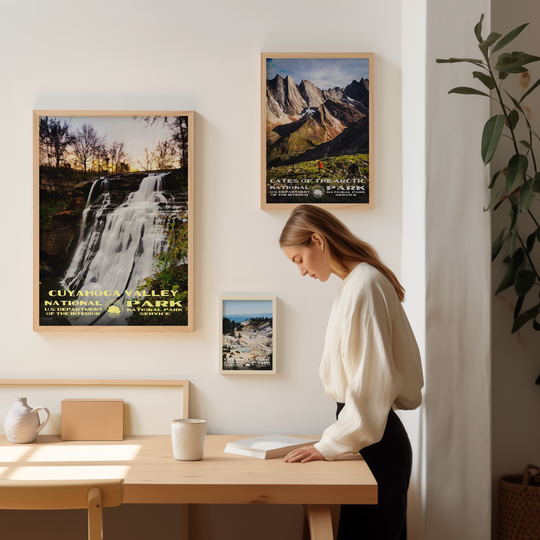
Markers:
{"x": 47, "y": 416}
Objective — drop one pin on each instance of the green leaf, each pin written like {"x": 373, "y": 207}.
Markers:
{"x": 488, "y": 42}
{"x": 526, "y": 144}
{"x": 518, "y": 257}
{"x": 535, "y": 85}
{"x": 494, "y": 199}
{"x": 497, "y": 245}
{"x": 509, "y": 37}
{"x": 536, "y": 183}
{"x": 524, "y": 318}
{"x": 515, "y": 62}
{"x": 468, "y": 91}
{"x": 508, "y": 279}
{"x": 513, "y": 240}
{"x": 512, "y": 69}
{"x": 517, "y": 167}
{"x": 538, "y": 234}
{"x": 455, "y": 60}
{"x": 478, "y": 29}
{"x": 486, "y": 79}
{"x": 514, "y": 119}
{"x": 531, "y": 240}
{"x": 526, "y": 195}
{"x": 525, "y": 189}
{"x": 503, "y": 75}
{"x": 522, "y": 59}
{"x": 495, "y": 176}
{"x": 491, "y": 136}
{"x": 492, "y": 38}
{"x": 519, "y": 305}
{"x": 513, "y": 217}
{"x": 536, "y": 326}
{"x": 524, "y": 282}
{"x": 509, "y": 64}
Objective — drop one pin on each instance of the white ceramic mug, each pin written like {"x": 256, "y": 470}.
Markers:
{"x": 188, "y": 438}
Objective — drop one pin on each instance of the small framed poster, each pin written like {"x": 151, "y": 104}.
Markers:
{"x": 317, "y": 130}
{"x": 113, "y": 221}
{"x": 247, "y": 335}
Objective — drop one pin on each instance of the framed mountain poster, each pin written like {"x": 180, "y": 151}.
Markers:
{"x": 247, "y": 335}
{"x": 317, "y": 130}
{"x": 113, "y": 221}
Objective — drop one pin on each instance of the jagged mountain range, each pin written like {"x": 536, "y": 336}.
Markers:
{"x": 303, "y": 120}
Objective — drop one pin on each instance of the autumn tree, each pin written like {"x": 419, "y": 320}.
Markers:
{"x": 178, "y": 138}
{"x": 54, "y": 139}
{"x": 85, "y": 145}
{"x": 149, "y": 157}
{"x": 117, "y": 155}
{"x": 178, "y": 127}
{"x": 164, "y": 155}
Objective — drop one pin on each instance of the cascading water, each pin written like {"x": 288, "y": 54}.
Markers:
{"x": 119, "y": 244}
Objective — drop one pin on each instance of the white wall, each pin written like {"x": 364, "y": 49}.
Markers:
{"x": 202, "y": 56}
{"x": 516, "y": 399}
{"x": 413, "y": 261}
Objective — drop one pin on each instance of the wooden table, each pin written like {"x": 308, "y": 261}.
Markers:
{"x": 152, "y": 475}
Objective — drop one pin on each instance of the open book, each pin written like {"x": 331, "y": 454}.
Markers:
{"x": 268, "y": 446}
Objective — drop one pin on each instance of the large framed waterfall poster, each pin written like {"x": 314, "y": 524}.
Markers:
{"x": 317, "y": 130}
{"x": 113, "y": 221}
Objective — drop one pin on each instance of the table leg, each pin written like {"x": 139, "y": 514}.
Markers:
{"x": 320, "y": 521}
{"x": 185, "y": 522}
{"x": 305, "y": 526}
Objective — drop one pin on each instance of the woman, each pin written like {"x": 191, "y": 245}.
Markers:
{"x": 370, "y": 364}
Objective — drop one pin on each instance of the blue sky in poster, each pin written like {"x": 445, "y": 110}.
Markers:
{"x": 324, "y": 73}
{"x": 247, "y": 307}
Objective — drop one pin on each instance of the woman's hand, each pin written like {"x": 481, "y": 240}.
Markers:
{"x": 303, "y": 455}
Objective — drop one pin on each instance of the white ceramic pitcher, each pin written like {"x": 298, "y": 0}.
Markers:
{"x": 22, "y": 422}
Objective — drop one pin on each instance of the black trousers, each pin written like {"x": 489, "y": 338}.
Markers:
{"x": 390, "y": 461}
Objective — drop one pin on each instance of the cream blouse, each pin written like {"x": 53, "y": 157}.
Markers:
{"x": 371, "y": 361}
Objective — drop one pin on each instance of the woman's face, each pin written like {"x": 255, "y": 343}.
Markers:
{"x": 311, "y": 260}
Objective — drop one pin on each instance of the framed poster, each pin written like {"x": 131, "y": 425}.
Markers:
{"x": 317, "y": 130}
{"x": 247, "y": 335}
{"x": 113, "y": 221}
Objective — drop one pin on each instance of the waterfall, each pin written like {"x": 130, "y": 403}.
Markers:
{"x": 104, "y": 185}
{"x": 118, "y": 246}
{"x": 92, "y": 190}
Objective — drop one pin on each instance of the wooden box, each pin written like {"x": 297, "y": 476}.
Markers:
{"x": 93, "y": 419}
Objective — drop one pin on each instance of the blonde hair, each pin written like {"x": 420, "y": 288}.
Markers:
{"x": 340, "y": 243}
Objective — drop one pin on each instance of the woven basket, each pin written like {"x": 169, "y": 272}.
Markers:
{"x": 519, "y": 506}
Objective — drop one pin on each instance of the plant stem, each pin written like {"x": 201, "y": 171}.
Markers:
{"x": 532, "y": 151}
{"x": 533, "y": 218}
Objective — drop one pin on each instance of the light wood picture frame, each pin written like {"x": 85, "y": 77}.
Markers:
{"x": 317, "y": 130}
{"x": 113, "y": 221}
{"x": 247, "y": 335}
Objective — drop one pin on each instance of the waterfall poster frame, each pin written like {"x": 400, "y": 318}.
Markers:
{"x": 247, "y": 335}
{"x": 113, "y": 221}
{"x": 317, "y": 130}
